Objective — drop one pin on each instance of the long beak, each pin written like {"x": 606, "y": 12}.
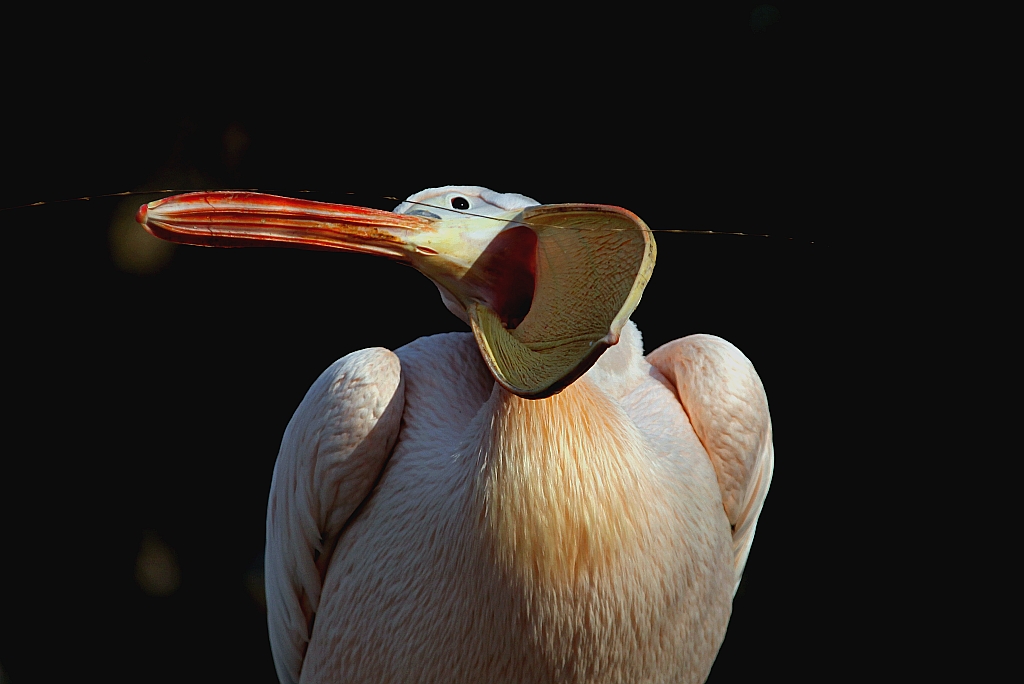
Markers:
{"x": 445, "y": 250}
{"x": 249, "y": 219}
{"x": 546, "y": 289}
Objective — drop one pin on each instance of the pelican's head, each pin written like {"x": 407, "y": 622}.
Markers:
{"x": 454, "y": 201}
{"x": 459, "y": 201}
{"x": 545, "y": 288}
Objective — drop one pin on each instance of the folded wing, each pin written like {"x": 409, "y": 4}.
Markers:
{"x": 726, "y": 403}
{"x": 331, "y": 455}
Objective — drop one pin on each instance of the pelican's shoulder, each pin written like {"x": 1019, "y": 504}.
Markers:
{"x": 432, "y": 348}
{"x": 444, "y": 360}
{"x": 445, "y": 378}
{"x": 622, "y": 368}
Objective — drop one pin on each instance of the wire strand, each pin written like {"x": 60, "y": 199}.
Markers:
{"x": 132, "y": 193}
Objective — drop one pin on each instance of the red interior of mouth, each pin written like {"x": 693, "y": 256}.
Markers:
{"x": 507, "y": 270}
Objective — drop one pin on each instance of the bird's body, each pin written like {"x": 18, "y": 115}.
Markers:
{"x": 428, "y": 524}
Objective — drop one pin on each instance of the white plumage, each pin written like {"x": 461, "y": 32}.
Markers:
{"x": 425, "y": 524}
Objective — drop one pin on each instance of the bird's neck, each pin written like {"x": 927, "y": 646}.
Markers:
{"x": 562, "y": 483}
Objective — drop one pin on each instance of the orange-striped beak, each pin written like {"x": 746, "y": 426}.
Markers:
{"x": 546, "y": 289}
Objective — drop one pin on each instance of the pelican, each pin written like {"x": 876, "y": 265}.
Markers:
{"x": 534, "y": 501}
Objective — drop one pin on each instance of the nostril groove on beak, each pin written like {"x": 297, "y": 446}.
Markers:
{"x": 424, "y": 213}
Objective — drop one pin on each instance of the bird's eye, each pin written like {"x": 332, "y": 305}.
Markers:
{"x": 459, "y": 203}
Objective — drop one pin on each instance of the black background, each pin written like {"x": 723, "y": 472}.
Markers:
{"x": 151, "y": 404}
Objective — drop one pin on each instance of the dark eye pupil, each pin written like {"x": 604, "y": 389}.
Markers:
{"x": 460, "y": 203}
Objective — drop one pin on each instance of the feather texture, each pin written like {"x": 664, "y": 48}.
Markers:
{"x": 578, "y": 538}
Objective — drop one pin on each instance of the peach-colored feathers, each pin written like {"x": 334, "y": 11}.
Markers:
{"x": 426, "y": 525}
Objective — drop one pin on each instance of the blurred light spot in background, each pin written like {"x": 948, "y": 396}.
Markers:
{"x": 763, "y": 16}
{"x": 253, "y": 581}
{"x": 132, "y": 249}
{"x": 156, "y": 569}
{"x": 235, "y": 143}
